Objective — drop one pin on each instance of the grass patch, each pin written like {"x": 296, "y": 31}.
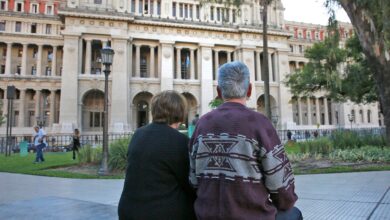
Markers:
{"x": 342, "y": 169}
{"x": 25, "y": 165}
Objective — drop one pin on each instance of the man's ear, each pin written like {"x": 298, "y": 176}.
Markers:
{"x": 249, "y": 92}
{"x": 219, "y": 92}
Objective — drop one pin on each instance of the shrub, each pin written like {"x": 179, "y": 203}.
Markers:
{"x": 351, "y": 139}
{"x": 319, "y": 146}
{"x": 366, "y": 153}
{"x": 118, "y": 154}
{"x": 88, "y": 154}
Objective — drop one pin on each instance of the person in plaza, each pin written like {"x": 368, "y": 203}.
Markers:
{"x": 289, "y": 135}
{"x": 39, "y": 143}
{"x": 75, "y": 142}
{"x": 238, "y": 164}
{"x": 157, "y": 179}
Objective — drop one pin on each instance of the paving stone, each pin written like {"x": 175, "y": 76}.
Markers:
{"x": 57, "y": 208}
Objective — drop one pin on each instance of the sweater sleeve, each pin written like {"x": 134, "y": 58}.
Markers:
{"x": 278, "y": 175}
{"x": 182, "y": 169}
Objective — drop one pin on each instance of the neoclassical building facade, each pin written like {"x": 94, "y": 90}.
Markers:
{"x": 51, "y": 54}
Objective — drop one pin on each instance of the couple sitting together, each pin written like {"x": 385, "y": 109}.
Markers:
{"x": 233, "y": 167}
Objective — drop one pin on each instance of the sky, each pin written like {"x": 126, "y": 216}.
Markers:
{"x": 310, "y": 11}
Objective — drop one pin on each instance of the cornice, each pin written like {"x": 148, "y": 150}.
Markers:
{"x": 98, "y": 14}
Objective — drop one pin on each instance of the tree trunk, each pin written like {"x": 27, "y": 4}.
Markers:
{"x": 265, "y": 70}
{"x": 372, "y": 40}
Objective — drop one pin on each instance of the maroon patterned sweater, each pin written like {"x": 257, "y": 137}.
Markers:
{"x": 239, "y": 166}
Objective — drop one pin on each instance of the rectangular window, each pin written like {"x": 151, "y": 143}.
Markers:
{"x": 234, "y": 15}
{"x": 19, "y": 7}
{"x": 34, "y": 28}
{"x": 212, "y": 13}
{"x": 48, "y": 28}
{"x": 49, "y": 55}
{"x": 174, "y": 9}
{"x": 218, "y": 14}
{"x": 2, "y": 70}
{"x": 181, "y": 10}
{"x": 140, "y": 6}
{"x": 97, "y": 2}
{"x": 300, "y": 49}
{"x": 48, "y": 71}
{"x": 49, "y": 10}
{"x": 18, "y": 69}
{"x": 158, "y": 8}
{"x": 3, "y": 5}
{"x": 34, "y": 8}
{"x": 20, "y": 52}
{"x": 191, "y": 8}
{"x": 132, "y": 6}
{"x": 197, "y": 12}
{"x": 35, "y": 52}
{"x": 186, "y": 11}
{"x": 33, "y": 71}
{"x": 2, "y": 25}
{"x": 146, "y": 7}
{"x": 18, "y": 26}
{"x": 291, "y": 48}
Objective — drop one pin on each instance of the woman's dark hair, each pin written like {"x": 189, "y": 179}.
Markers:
{"x": 169, "y": 107}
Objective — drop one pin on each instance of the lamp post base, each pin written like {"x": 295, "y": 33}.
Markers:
{"x": 103, "y": 172}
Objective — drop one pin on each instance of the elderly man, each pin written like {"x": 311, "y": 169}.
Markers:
{"x": 238, "y": 163}
{"x": 39, "y": 143}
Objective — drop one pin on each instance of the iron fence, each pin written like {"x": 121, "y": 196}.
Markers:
{"x": 57, "y": 143}
{"x": 64, "y": 142}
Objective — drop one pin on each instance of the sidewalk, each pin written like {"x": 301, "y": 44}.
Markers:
{"x": 323, "y": 196}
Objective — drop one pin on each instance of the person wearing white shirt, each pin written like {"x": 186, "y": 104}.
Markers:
{"x": 39, "y": 143}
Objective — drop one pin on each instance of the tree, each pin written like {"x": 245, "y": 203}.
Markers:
{"x": 2, "y": 118}
{"x": 265, "y": 70}
{"x": 371, "y": 21}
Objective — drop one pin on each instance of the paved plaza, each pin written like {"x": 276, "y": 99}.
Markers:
{"x": 324, "y": 196}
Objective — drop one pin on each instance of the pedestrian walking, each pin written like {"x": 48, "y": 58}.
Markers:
{"x": 39, "y": 143}
{"x": 76, "y": 143}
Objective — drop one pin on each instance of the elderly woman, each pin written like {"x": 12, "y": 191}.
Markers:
{"x": 156, "y": 184}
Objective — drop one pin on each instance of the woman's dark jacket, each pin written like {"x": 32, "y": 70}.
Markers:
{"x": 156, "y": 184}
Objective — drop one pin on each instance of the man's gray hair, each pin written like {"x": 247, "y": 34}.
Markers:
{"x": 233, "y": 80}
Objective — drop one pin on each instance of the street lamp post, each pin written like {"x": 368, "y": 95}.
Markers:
{"x": 275, "y": 119}
{"x": 351, "y": 117}
{"x": 107, "y": 57}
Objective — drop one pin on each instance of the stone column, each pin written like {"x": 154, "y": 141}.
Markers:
{"x": 149, "y": 11}
{"x": 104, "y": 44}
{"x": 39, "y": 60}
{"x": 24, "y": 60}
{"x": 52, "y": 106}
{"x": 258, "y": 66}
{"x": 119, "y": 96}
{"x": 206, "y": 77}
{"x": 271, "y": 69}
{"x": 177, "y": 10}
{"x": 309, "y": 122}
{"x": 137, "y": 60}
{"x": 194, "y": 11}
{"x": 178, "y": 63}
{"x": 37, "y": 103}
{"x": 152, "y": 60}
{"x": 8, "y": 59}
{"x": 248, "y": 59}
{"x": 192, "y": 65}
{"x": 215, "y": 13}
{"x": 167, "y": 65}
{"x": 69, "y": 101}
{"x": 54, "y": 62}
{"x": 318, "y": 118}
{"x": 229, "y": 58}
{"x": 88, "y": 52}
{"x": 230, "y": 15}
{"x": 136, "y": 6}
{"x": 326, "y": 111}
{"x": 299, "y": 111}
{"x": 22, "y": 108}
{"x": 216, "y": 62}
{"x": 155, "y": 7}
{"x": 296, "y": 66}
{"x": 332, "y": 113}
